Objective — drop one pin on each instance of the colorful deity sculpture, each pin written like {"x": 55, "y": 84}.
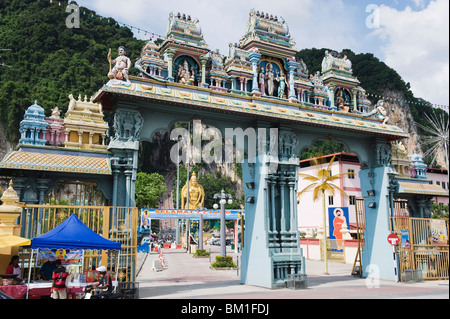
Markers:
{"x": 262, "y": 85}
{"x": 270, "y": 77}
{"x": 121, "y": 65}
{"x": 281, "y": 84}
{"x": 196, "y": 194}
{"x": 184, "y": 75}
{"x": 379, "y": 112}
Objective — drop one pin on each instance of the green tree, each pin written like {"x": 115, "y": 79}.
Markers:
{"x": 49, "y": 61}
{"x": 213, "y": 184}
{"x": 324, "y": 147}
{"x": 149, "y": 189}
{"x": 439, "y": 211}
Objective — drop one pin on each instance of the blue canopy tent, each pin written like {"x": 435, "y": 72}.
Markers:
{"x": 72, "y": 234}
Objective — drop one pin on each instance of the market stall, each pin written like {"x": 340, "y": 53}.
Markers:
{"x": 71, "y": 234}
{"x": 15, "y": 291}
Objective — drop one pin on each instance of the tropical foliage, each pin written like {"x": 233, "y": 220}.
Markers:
{"x": 48, "y": 61}
{"x": 149, "y": 189}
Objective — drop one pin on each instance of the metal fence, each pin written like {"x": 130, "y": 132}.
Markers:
{"x": 114, "y": 223}
{"x": 423, "y": 246}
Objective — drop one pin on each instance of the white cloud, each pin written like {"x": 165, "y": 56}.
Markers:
{"x": 416, "y": 45}
{"x": 312, "y": 23}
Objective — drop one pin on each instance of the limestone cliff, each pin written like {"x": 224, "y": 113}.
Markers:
{"x": 5, "y": 145}
{"x": 400, "y": 115}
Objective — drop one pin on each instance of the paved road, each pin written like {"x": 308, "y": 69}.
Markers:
{"x": 190, "y": 278}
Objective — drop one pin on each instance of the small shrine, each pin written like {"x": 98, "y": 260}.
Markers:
{"x": 239, "y": 69}
{"x": 84, "y": 125}
{"x": 418, "y": 167}
{"x": 272, "y": 55}
{"x": 363, "y": 103}
{"x": 56, "y": 154}
{"x": 217, "y": 75}
{"x": 33, "y": 127}
{"x": 337, "y": 74}
{"x": 319, "y": 93}
{"x": 185, "y": 47}
{"x": 400, "y": 159}
{"x": 150, "y": 63}
{"x": 55, "y": 129}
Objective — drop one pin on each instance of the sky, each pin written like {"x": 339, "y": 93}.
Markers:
{"x": 410, "y": 36}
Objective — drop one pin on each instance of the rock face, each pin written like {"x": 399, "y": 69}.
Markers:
{"x": 400, "y": 115}
{"x": 5, "y": 146}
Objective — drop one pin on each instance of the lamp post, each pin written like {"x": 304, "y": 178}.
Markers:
{"x": 200, "y": 211}
{"x": 177, "y": 234}
{"x": 222, "y": 200}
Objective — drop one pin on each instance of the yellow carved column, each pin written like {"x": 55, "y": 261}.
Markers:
{"x": 9, "y": 211}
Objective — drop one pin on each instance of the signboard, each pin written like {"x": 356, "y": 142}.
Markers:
{"x": 393, "y": 239}
{"x": 405, "y": 238}
{"x": 338, "y": 220}
{"x": 159, "y": 213}
{"x": 68, "y": 257}
{"x": 439, "y": 234}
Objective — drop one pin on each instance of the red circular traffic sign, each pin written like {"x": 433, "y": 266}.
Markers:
{"x": 393, "y": 239}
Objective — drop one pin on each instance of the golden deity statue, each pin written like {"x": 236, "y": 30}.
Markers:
{"x": 196, "y": 194}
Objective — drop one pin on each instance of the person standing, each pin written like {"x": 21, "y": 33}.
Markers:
{"x": 59, "y": 289}
{"x": 47, "y": 268}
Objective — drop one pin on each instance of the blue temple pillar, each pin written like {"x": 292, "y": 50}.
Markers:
{"x": 292, "y": 66}
{"x": 124, "y": 145}
{"x": 377, "y": 255}
{"x": 254, "y": 59}
{"x": 271, "y": 249}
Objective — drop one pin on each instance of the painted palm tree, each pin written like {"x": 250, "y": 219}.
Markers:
{"x": 320, "y": 184}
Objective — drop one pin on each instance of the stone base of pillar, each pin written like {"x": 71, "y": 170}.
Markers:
{"x": 256, "y": 93}
{"x": 293, "y": 100}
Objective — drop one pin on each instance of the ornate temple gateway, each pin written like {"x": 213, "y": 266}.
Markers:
{"x": 258, "y": 90}
{"x": 258, "y": 87}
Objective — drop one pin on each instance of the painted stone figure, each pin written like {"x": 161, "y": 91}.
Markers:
{"x": 121, "y": 65}
{"x": 270, "y": 76}
{"x": 262, "y": 85}
{"x": 379, "y": 112}
{"x": 184, "y": 75}
{"x": 340, "y": 100}
{"x": 282, "y": 84}
{"x": 56, "y": 113}
{"x": 196, "y": 194}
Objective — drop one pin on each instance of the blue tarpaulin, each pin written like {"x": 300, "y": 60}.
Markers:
{"x": 73, "y": 234}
